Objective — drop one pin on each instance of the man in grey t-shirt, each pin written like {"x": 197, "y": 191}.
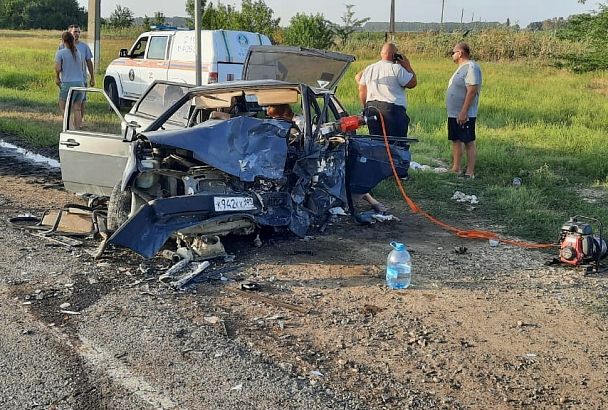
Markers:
{"x": 87, "y": 56}
{"x": 462, "y": 100}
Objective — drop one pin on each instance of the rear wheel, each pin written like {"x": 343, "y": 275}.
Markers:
{"x": 112, "y": 91}
{"x": 119, "y": 207}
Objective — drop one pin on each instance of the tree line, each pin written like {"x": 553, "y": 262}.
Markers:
{"x": 306, "y": 30}
{"x": 43, "y": 14}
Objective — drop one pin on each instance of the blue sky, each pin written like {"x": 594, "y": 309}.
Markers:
{"x": 518, "y": 11}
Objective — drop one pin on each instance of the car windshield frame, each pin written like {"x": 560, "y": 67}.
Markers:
{"x": 227, "y": 87}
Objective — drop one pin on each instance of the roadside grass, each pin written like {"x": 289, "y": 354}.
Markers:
{"x": 28, "y": 94}
{"x": 544, "y": 125}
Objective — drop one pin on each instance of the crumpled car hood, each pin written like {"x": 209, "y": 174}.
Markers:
{"x": 243, "y": 146}
{"x": 320, "y": 178}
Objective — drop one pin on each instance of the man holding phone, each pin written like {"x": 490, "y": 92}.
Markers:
{"x": 462, "y": 100}
{"x": 382, "y": 86}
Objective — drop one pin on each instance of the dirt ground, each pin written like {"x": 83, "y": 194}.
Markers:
{"x": 492, "y": 327}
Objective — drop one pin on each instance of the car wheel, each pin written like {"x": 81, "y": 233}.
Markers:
{"x": 119, "y": 207}
{"x": 112, "y": 91}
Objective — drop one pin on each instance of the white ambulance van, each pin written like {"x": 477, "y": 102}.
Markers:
{"x": 170, "y": 55}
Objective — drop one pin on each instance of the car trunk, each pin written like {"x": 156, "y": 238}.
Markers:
{"x": 315, "y": 68}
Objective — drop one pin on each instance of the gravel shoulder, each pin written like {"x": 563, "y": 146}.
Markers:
{"x": 490, "y": 328}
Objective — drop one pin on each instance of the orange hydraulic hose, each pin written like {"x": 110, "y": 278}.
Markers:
{"x": 470, "y": 234}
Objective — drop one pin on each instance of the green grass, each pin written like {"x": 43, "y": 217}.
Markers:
{"x": 536, "y": 122}
{"x": 28, "y": 94}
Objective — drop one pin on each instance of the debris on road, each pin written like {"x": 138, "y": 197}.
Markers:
{"x": 179, "y": 283}
{"x": 69, "y": 312}
{"x": 169, "y": 275}
{"x": 462, "y": 197}
{"x": 211, "y": 319}
{"x": 247, "y": 285}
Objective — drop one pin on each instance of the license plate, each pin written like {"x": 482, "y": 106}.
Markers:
{"x": 233, "y": 203}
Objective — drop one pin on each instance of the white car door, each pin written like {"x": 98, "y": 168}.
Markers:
{"x": 93, "y": 158}
{"x": 131, "y": 75}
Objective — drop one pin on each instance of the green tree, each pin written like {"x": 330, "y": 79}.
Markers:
{"x": 256, "y": 16}
{"x": 312, "y": 31}
{"x": 121, "y": 17}
{"x": 45, "y": 14}
{"x": 350, "y": 24}
{"x": 147, "y": 23}
{"x": 214, "y": 17}
{"x": 535, "y": 26}
{"x": 158, "y": 19}
{"x": 592, "y": 30}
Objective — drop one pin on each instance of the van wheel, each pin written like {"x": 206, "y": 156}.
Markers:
{"x": 112, "y": 91}
{"x": 119, "y": 207}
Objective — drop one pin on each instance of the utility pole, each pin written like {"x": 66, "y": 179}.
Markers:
{"x": 93, "y": 30}
{"x": 442, "y": 7}
{"x": 391, "y": 27}
{"x": 461, "y": 16}
{"x": 197, "y": 33}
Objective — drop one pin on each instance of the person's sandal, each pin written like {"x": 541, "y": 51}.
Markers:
{"x": 380, "y": 208}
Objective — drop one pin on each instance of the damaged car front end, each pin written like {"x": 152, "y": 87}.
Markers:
{"x": 232, "y": 169}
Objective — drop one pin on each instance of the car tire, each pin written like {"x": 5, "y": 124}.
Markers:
{"x": 119, "y": 207}
{"x": 112, "y": 91}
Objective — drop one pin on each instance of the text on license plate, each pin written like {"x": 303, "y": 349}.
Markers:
{"x": 233, "y": 203}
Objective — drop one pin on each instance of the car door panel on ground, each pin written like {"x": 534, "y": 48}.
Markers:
{"x": 93, "y": 159}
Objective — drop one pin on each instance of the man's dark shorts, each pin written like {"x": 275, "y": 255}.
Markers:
{"x": 396, "y": 120}
{"x": 463, "y": 133}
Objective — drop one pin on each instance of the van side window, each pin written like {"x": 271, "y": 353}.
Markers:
{"x": 139, "y": 49}
{"x": 157, "y": 48}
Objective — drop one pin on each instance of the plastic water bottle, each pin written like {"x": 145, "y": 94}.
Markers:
{"x": 398, "y": 267}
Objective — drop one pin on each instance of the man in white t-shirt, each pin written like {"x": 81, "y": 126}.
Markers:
{"x": 382, "y": 86}
{"x": 462, "y": 99}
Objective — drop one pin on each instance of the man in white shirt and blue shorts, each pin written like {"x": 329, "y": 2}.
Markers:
{"x": 382, "y": 86}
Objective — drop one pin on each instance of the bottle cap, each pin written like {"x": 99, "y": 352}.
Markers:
{"x": 398, "y": 246}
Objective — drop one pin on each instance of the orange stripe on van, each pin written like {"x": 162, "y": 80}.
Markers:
{"x": 173, "y": 65}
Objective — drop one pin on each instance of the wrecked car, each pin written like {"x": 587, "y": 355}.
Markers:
{"x": 210, "y": 161}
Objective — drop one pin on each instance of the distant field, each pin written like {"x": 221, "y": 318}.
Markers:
{"x": 545, "y": 125}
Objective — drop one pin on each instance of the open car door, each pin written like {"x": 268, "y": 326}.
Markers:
{"x": 315, "y": 68}
{"x": 93, "y": 158}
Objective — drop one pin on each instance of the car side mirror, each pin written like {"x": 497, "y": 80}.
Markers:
{"x": 123, "y": 52}
{"x": 129, "y": 130}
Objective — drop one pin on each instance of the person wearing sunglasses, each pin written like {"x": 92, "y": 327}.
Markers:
{"x": 462, "y": 100}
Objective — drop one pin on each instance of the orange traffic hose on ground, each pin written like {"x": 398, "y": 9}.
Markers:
{"x": 470, "y": 234}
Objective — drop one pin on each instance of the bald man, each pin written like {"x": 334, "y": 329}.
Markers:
{"x": 382, "y": 86}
